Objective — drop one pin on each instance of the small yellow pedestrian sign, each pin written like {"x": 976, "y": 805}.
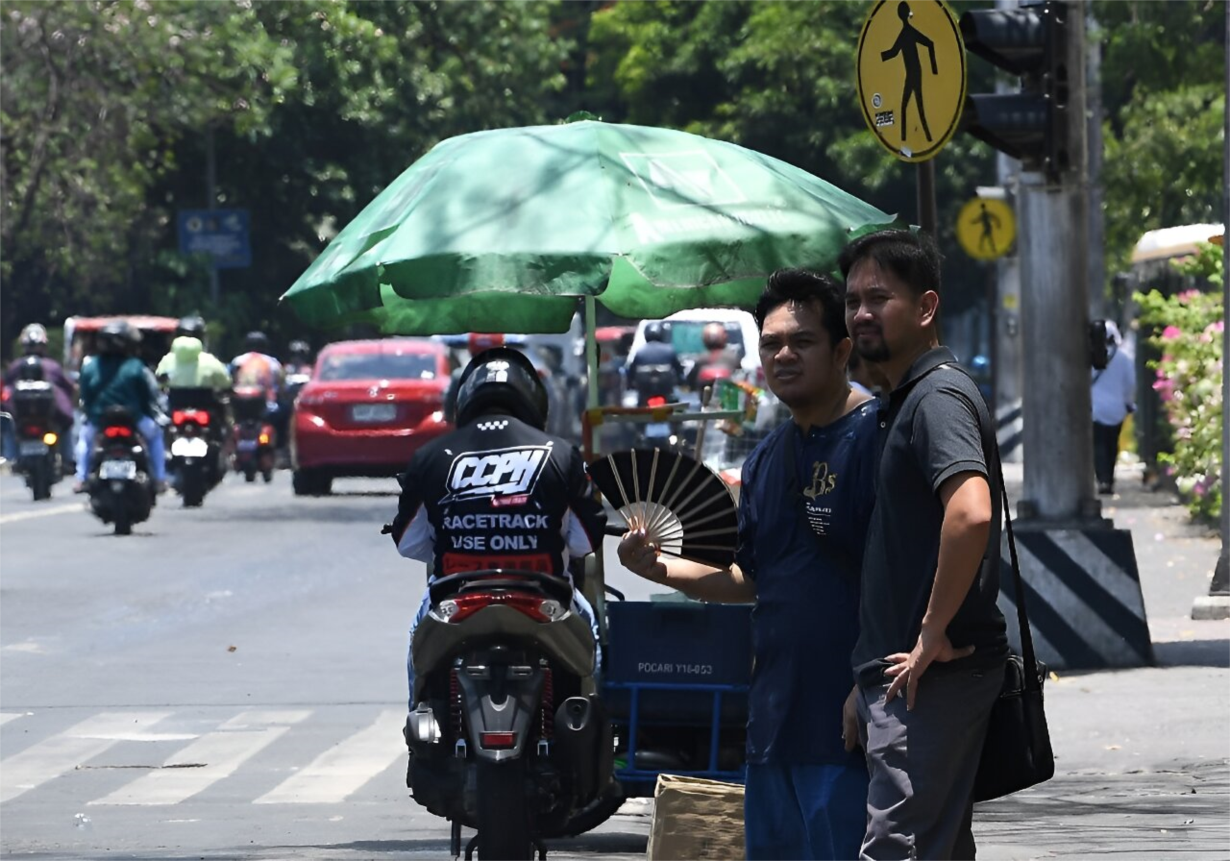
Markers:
{"x": 911, "y": 76}
{"x": 986, "y": 228}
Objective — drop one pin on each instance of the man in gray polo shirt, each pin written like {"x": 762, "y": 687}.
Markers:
{"x": 929, "y": 660}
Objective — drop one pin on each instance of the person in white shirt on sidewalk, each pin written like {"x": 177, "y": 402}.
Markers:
{"x": 1113, "y": 391}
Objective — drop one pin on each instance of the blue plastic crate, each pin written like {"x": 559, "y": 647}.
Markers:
{"x": 679, "y": 642}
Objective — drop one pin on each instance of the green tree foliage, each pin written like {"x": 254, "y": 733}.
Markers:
{"x": 1164, "y": 95}
{"x": 97, "y": 97}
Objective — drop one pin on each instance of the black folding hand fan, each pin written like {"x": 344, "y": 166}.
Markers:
{"x": 685, "y": 509}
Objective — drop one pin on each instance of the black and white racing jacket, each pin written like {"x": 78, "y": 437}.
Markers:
{"x": 497, "y": 493}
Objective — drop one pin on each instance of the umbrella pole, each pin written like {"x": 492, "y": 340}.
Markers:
{"x": 597, "y": 595}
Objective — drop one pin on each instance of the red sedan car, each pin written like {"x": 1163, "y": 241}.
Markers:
{"x": 368, "y": 407}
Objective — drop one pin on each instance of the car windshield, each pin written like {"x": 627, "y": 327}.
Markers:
{"x": 378, "y": 366}
{"x": 686, "y": 337}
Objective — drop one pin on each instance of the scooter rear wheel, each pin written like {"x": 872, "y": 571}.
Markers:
{"x": 503, "y": 815}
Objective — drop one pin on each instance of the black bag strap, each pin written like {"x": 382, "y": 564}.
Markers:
{"x": 1032, "y": 680}
{"x": 829, "y": 548}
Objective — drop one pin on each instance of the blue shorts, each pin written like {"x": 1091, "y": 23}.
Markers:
{"x": 804, "y": 812}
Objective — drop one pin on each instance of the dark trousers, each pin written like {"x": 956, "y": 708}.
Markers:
{"x": 1105, "y": 452}
{"x": 923, "y": 762}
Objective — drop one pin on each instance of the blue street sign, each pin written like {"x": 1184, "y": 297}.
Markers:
{"x": 220, "y": 233}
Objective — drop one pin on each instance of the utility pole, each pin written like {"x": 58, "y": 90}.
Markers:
{"x": 1097, "y": 219}
{"x": 1217, "y": 604}
{"x": 1054, "y": 246}
{"x": 211, "y": 202}
{"x": 1089, "y": 609}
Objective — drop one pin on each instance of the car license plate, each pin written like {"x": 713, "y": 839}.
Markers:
{"x": 373, "y": 412}
{"x": 657, "y": 429}
{"x": 246, "y": 445}
{"x": 32, "y": 447}
{"x": 117, "y": 469}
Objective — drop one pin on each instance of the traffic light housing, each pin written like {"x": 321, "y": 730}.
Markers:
{"x": 1031, "y": 42}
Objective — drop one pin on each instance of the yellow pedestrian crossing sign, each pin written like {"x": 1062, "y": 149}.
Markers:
{"x": 911, "y": 76}
{"x": 986, "y": 228}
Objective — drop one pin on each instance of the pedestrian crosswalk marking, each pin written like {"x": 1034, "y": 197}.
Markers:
{"x": 5, "y": 717}
{"x": 214, "y": 756}
{"x": 47, "y": 759}
{"x": 344, "y": 769}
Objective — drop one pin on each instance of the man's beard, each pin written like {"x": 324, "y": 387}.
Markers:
{"x": 876, "y": 352}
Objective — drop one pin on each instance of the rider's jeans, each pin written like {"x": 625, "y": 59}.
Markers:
{"x": 579, "y": 606}
{"x": 150, "y": 431}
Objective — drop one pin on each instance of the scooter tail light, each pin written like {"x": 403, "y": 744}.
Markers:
{"x": 461, "y": 607}
{"x": 118, "y": 432}
{"x": 498, "y": 740}
{"x": 180, "y": 417}
{"x": 656, "y": 401}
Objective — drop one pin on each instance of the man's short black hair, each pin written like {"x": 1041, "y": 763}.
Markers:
{"x": 911, "y": 256}
{"x": 809, "y": 288}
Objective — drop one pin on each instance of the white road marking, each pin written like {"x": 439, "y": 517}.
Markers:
{"x": 218, "y": 753}
{"x": 42, "y": 512}
{"x": 8, "y": 716}
{"x": 60, "y": 753}
{"x": 341, "y": 771}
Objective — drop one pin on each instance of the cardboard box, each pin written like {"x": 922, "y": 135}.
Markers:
{"x": 695, "y": 818}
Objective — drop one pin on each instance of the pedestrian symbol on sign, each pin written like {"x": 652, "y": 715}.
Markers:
{"x": 908, "y": 46}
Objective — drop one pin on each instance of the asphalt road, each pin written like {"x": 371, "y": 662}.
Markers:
{"x": 227, "y": 682}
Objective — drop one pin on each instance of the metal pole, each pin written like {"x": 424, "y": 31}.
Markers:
{"x": 1097, "y": 221}
{"x": 1058, "y": 431}
{"x": 211, "y": 200}
{"x": 1221, "y": 574}
{"x": 927, "y": 217}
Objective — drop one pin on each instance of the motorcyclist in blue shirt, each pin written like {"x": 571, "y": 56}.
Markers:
{"x": 804, "y": 506}
{"x": 116, "y": 377}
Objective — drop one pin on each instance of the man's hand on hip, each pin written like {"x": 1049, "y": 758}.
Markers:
{"x": 907, "y": 669}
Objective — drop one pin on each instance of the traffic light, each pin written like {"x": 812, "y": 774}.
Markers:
{"x": 1030, "y": 42}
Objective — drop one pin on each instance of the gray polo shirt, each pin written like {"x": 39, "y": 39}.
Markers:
{"x": 933, "y": 426}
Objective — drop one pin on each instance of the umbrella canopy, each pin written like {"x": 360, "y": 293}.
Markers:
{"x": 501, "y": 231}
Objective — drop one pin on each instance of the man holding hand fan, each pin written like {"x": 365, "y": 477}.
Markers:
{"x": 804, "y": 506}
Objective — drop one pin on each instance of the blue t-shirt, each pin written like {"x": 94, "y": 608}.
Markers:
{"x": 801, "y": 539}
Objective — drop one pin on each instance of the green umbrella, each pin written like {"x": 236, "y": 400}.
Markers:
{"x": 501, "y": 231}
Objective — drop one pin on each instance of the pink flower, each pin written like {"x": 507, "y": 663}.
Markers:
{"x": 1215, "y": 328}
{"x": 1187, "y": 295}
{"x": 1170, "y": 333}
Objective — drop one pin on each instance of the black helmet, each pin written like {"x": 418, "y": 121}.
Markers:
{"x": 299, "y": 349}
{"x": 657, "y": 331}
{"x": 192, "y": 326}
{"x": 256, "y": 342}
{"x": 31, "y": 370}
{"x": 118, "y": 337}
{"x": 502, "y": 380}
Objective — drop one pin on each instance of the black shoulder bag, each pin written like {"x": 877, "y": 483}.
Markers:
{"x": 1017, "y": 752}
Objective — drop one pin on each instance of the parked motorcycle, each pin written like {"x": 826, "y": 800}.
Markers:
{"x": 120, "y": 485}
{"x": 508, "y": 736}
{"x": 198, "y": 440}
{"x": 38, "y": 429}
{"x": 255, "y": 438}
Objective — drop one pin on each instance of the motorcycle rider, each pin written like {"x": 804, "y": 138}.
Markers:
{"x": 718, "y": 361}
{"x": 476, "y": 343}
{"x": 299, "y": 361}
{"x": 34, "y": 344}
{"x": 257, "y": 367}
{"x": 116, "y": 377}
{"x": 655, "y": 370}
{"x": 189, "y": 365}
{"x": 499, "y": 475}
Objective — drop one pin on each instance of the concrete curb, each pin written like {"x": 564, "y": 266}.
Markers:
{"x": 1209, "y": 607}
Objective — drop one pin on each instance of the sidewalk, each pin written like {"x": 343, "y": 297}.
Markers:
{"x": 1142, "y": 755}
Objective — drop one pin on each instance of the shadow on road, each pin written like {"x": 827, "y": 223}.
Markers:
{"x": 600, "y": 842}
